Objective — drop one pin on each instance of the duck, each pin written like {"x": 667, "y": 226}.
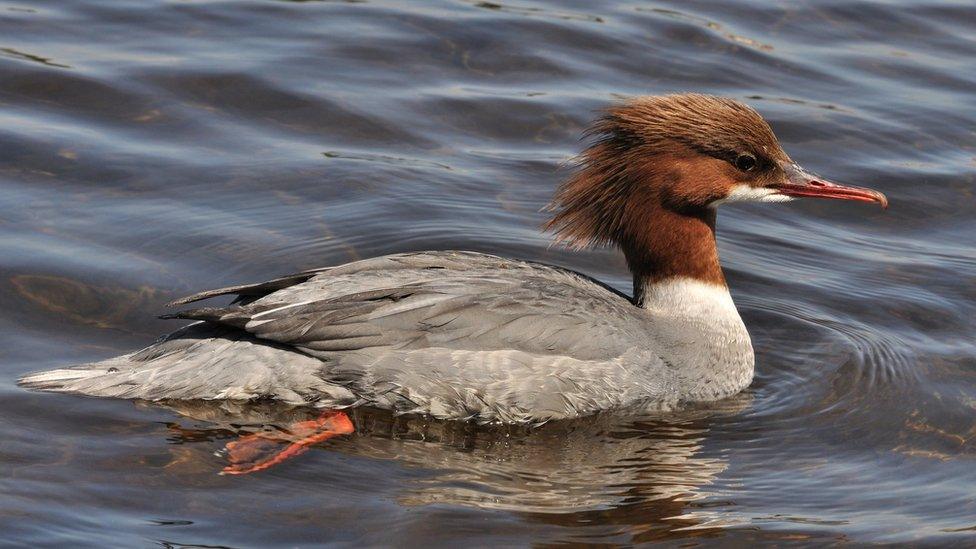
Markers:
{"x": 460, "y": 335}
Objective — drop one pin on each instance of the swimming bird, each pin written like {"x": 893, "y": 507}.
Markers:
{"x": 470, "y": 336}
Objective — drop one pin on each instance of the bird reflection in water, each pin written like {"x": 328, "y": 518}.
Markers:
{"x": 638, "y": 466}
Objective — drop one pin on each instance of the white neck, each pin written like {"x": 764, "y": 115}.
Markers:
{"x": 682, "y": 296}
{"x": 701, "y": 334}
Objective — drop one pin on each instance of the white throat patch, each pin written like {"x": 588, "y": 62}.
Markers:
{"x": 748, "y": 193}
{"x": 688, "y": 297}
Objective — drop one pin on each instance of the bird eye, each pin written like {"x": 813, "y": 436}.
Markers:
{"x": 745, "y": 162}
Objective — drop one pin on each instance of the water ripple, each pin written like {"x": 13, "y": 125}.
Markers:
{"x": 151, "y": 150}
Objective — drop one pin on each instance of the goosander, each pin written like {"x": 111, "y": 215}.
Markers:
{"x": 465, "y": 335}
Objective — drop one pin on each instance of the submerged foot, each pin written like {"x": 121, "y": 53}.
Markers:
{"x": 260, "y": 451}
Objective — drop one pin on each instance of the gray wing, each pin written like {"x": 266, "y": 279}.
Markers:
{"x": 459, "y": 334}
{"x": 450, "y": 300}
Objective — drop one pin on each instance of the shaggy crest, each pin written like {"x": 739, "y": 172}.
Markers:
{"x": 600, "y": 200}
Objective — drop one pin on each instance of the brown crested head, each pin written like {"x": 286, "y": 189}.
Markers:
{"x": 676, "y": 155}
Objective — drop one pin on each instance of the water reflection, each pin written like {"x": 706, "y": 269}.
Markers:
{"x": 598, "y": 464}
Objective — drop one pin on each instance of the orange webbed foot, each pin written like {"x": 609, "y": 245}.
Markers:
{"x": 260, "y": 451}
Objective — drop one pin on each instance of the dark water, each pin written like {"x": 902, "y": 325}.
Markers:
{"x": 148, "y": 150}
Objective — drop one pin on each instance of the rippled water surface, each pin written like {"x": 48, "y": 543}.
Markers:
{"x": 149, "y": 150}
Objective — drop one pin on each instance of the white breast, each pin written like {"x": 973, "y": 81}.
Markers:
{"x": 701, "y": 336}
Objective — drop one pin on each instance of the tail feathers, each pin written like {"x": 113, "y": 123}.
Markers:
{"x": 97, "y": 379}
{"x": 199, "y": 362}
{"x": 53, "y": 380}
